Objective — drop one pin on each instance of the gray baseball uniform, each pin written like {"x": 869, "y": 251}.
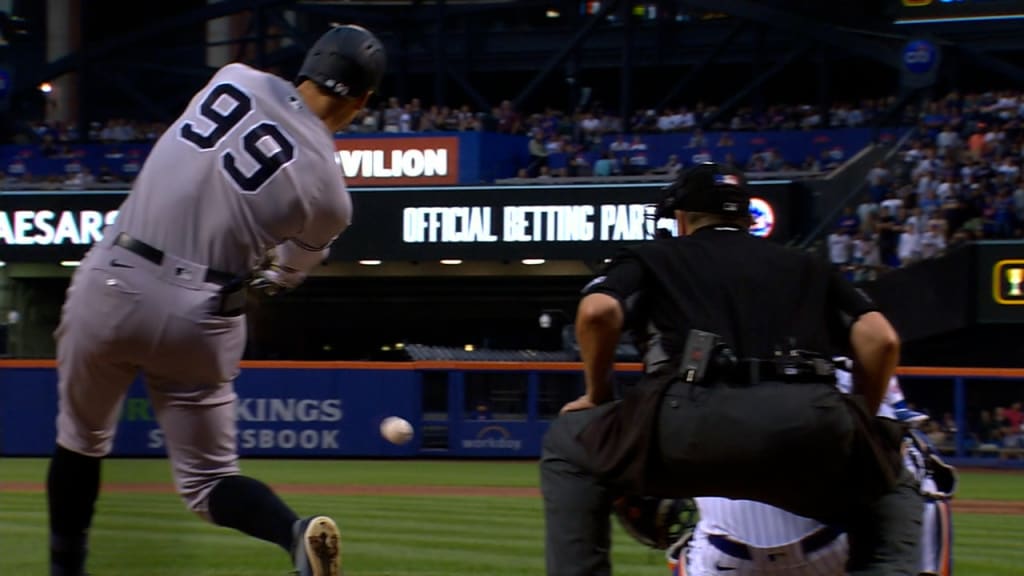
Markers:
{"x": 247, "y": 168}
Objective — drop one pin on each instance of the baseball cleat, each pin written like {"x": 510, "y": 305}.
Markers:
{"x": 317, "y": 547}
{"x": 912, "y": 417}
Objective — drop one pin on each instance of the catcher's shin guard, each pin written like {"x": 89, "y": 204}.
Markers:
{"x": 937, "y": 538}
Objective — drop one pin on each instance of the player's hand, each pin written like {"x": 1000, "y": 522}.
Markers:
{"x": 582, "y": 403}
{"x": 271, "y": 281}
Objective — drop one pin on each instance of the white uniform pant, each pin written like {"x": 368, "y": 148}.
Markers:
{"x": 704, "y": 558}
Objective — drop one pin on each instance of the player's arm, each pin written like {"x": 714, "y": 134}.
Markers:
{"x": 600, "y": 318}
{"x": 293, "y": 259}
{"x": 873, "y": 342}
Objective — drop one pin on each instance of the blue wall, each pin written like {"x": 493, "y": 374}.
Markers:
{"x": 281, "y": 412}
{"x": 336, "y": 411}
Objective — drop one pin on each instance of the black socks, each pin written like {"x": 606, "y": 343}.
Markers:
{"x": 250, "y": 506}
{"x": 72, "y": 486}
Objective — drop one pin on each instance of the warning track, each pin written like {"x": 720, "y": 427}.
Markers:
{"x": 1009, "y": 507}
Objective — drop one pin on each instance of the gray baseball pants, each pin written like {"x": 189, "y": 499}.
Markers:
{"x": 125, "y": 316}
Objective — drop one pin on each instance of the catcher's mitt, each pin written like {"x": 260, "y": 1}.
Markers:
{"x": 656, "y": 522}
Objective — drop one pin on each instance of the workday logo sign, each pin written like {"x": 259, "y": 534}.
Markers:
{"x": 493, "y": 437}
{"x": 920, "y": 56}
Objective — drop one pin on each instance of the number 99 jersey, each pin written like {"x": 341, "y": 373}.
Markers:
{"x": 246, "y": 167}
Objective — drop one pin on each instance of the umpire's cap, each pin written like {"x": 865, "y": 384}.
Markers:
{"x": 347, "y": 61}
{"x": 710, "y": 188}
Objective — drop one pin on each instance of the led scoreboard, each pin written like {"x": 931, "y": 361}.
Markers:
{"x": 911, "y": 11}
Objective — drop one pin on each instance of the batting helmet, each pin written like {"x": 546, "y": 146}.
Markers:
{"x": 347, "y": 61}
{"x": 656, "y": 522}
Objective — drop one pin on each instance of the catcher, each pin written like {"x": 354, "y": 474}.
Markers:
{"x": 720, "y": 536}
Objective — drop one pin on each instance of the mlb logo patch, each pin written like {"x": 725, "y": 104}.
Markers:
{"x": 727, "y": 179}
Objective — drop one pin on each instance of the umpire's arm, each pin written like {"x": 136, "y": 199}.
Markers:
{"x": 873, "y": 342}
{"x": 598, "y": 329}
{"x": 876, "y": 353}
{"x": 600, "y": 317}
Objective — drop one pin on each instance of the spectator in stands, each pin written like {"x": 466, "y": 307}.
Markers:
{"x": 1014, "y": 434}
{"x": 697, "y": 140}
{"x": 669, "y": 121}
{"x": 671, "y": 167}
{"x": 811, "y": 164}
{"x": 989, "y": 434}
{"x": 909, "y": 248}
{"x": 620, "y": 144}
{"x": 840, "y": 249}
{"x": 1018, "y": 201}
{"x": 606, "y": 165}
{"x": 879, "y": 178}
{"x": 638, "y": 161}
{"x": 538, "y": 154}
{"x": 848, "y": 221}
{"x": 933, "y": 239}
{"x": 888, "y": 231}
{"x": 578, "y": 164}
{"x": 392, "y": 115}
{"x": 947, "y": 140}
{"x": 508, "y": 119}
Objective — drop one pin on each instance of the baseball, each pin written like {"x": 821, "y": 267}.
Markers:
{"x": 396, "y": 430}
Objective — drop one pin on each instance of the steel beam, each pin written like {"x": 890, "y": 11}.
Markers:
{"x": 803, "y": 27}
{"x": 754, "y": 84}
{"x": 626, "y": 73}
{"x": 557, "y": 59}
{"x": 124, "y": 42}
{"x": 694, "y": 72}
{"x": 993, "y": 63}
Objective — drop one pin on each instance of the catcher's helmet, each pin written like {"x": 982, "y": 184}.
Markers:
{"x": 347, "y": 61}
{"x": 656, "y": 522}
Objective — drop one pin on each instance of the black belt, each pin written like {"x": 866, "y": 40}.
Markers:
{"x": 156, "y": 256}
{"x": 232, "y": 294}
{"x": 810, "y": 544}
{"x": 749, "y": 371}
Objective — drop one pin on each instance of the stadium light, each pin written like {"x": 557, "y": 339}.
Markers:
{"x": 553, "y": 14}
{"x": 70, "y": 263}
{"x": 533, "y": 261}
{"x": 451, "y": 261}
{"x": 2, "y": 263}
{"x": 46, "y": 87}
{"x": 370, "y": 262}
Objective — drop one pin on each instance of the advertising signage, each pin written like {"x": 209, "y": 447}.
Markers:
{"x": 419, "y": 161}
{"x": 567, "y": 222}
{"x": 1000, "y": 281}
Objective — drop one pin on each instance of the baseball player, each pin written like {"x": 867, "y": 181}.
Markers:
{"x": 747, "y": 538}
{"x": 248, "y": 169}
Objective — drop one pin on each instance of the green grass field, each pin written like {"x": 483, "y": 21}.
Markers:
{"x": 153, "y": 535}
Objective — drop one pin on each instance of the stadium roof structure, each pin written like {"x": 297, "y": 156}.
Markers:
{"x": 534, "y": 52}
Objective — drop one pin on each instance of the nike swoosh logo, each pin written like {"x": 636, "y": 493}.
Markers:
{"x": 118, "y": 264}
{"x": 721, "y": 568}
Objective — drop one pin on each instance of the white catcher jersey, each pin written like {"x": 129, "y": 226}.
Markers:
{"x": 766, "y": 526}
{"x": 246, "y": 167}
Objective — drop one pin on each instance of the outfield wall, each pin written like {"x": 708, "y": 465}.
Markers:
{"x": 459, "y": 409}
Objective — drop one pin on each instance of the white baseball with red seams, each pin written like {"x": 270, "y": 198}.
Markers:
{"x": 396, "y": 430}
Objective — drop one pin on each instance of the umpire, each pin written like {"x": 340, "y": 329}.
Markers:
{"x": 738, "y": 397}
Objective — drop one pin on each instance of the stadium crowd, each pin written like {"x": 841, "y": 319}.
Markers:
{"x": 581, "y": 135}
{"x": 997, "y": 431}
{"x": 957, "y": 179}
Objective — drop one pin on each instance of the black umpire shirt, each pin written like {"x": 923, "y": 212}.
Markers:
{"x": 755, "y": 294}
